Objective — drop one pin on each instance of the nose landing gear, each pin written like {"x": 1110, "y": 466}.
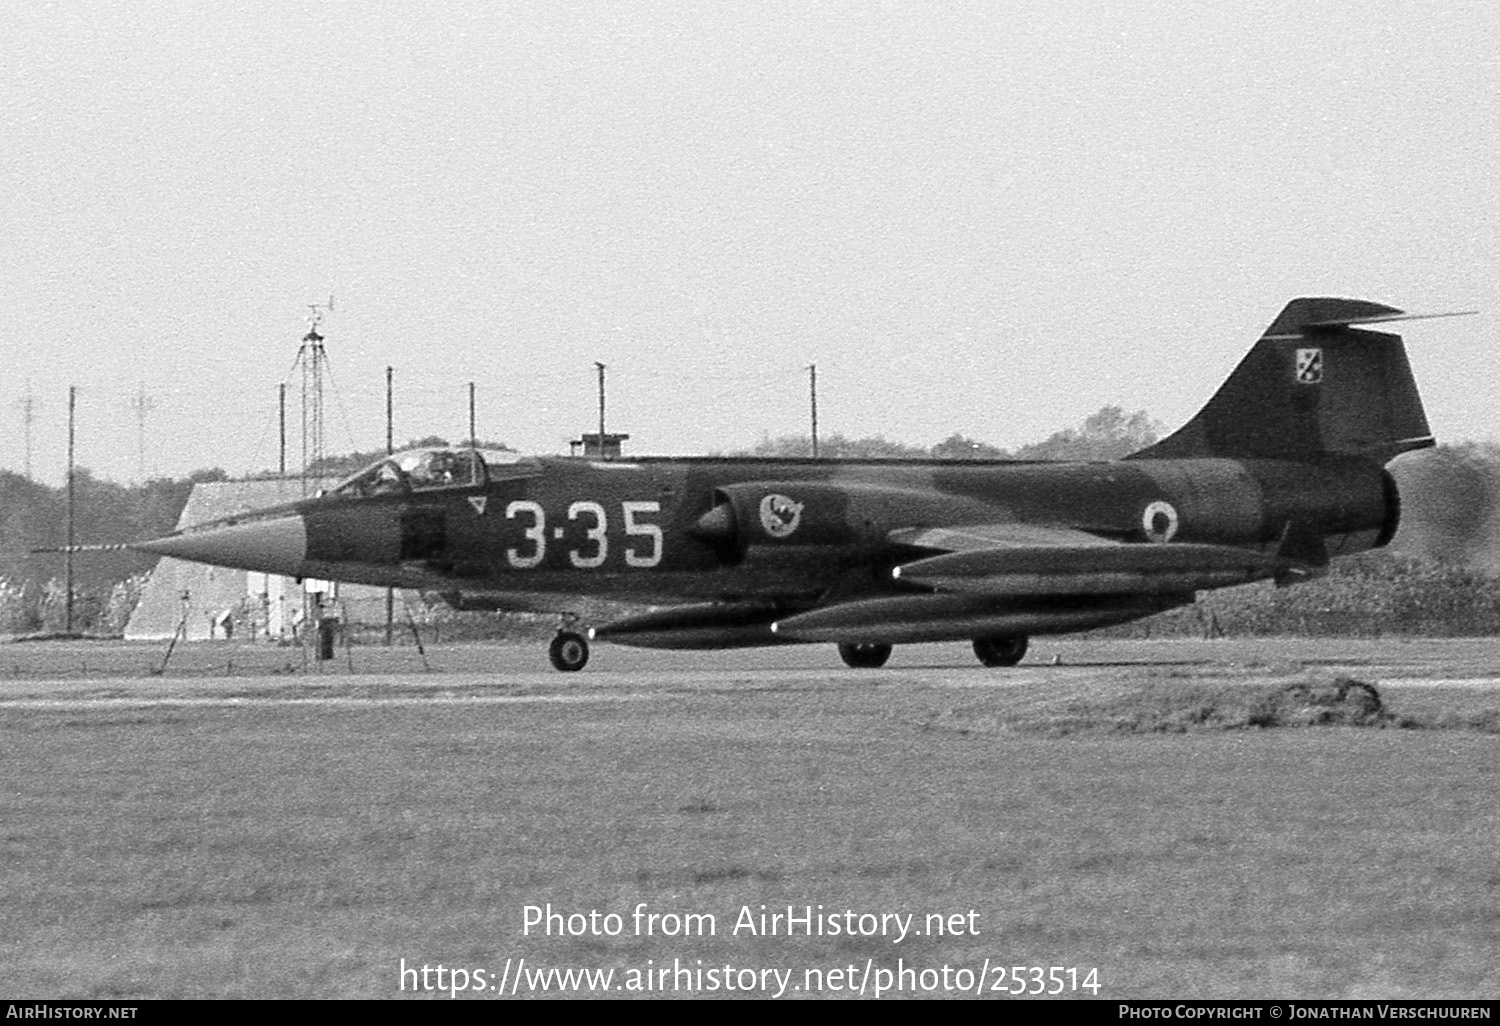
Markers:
{"x": 569, "y": 651}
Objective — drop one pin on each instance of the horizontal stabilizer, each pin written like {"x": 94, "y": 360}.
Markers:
{"x": 1351, "y": 318}
{"x": 1097, "y": 569}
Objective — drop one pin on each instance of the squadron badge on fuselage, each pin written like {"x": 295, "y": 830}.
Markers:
{"x": 779, "y": 515}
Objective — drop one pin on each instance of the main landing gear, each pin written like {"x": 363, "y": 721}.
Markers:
{"x": 569, "y": 651}
{"x": 864, "y": 657}
{"x": 1005, "y": 650}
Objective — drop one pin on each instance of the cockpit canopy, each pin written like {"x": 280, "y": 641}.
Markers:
{"x": 420, "y": 470}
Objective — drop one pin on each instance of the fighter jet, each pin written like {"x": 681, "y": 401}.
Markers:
{"x": 1282, "y": 471}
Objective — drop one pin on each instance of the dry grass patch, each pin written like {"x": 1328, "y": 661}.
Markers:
{"x": 1177, "y": 706}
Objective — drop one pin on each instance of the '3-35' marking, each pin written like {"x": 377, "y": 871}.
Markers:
{"x": 643, "y": 541}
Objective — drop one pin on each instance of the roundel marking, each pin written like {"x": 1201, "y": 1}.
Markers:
{"x": 779, "y": 515}
{"x": 1159, "y": 521}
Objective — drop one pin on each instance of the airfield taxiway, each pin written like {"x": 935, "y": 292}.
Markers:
{"x": 237, "y": 827}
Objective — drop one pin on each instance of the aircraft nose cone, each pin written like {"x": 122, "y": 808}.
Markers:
{"x": 277, "y": 545}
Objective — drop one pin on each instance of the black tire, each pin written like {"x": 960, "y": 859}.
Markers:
{"x": 1006, "y": 650}
{"x": 569, "y": 651}
{"x": 864, "y": 657}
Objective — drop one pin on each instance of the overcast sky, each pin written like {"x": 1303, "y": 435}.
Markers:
{"x": 985, "y": 217}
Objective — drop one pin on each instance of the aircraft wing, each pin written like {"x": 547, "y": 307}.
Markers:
{"x": 1025, "y": 560}
{"x": 984, "y": 537}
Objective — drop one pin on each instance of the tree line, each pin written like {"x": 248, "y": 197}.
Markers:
{"x": 1107, "y": 435}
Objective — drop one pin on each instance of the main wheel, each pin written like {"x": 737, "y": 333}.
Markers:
{"x": 569, "y": 651}
{"x": 864, "y": 657}
{"x": 1005, "y": 650}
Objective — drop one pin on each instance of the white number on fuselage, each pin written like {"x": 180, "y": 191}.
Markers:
{"x": 537, "y": 532}
{"x": 594, "y": 554}
{"x": 652, "y": 531}
{"x": 596, "y": 535}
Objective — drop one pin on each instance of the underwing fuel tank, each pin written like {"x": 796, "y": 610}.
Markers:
{"x": 912, "y": 618}
{"x": 702, "y": 625}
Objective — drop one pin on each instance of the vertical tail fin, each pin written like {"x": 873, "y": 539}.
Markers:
{"x": 1312, "y": 386}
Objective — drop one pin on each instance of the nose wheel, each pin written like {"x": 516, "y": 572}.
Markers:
{"x": 569, "y": 651}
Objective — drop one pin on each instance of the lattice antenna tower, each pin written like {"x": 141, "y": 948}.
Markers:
{"x": 312, "y": 360}
{"x": 142, "y": 404}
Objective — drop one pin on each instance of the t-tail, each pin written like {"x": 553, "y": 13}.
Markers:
{"x": 1312, "y": 386}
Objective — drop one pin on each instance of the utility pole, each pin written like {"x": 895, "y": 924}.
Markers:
{"x": 72, "y": 535}
{"x": 28, "y": 415}
{"x": 812, "y": 372}
{"x": 281, "y": 391}
{"x": 390, "y": 447}
{"x": 600, "y": 451}
{"x": 473, "y": 439}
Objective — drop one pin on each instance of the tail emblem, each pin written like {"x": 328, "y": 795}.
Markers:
{"x": 779, "y": 515}
{"x": 1309, "y": 366}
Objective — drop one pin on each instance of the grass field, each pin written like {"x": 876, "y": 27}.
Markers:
{"x": 290, "y": 835}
